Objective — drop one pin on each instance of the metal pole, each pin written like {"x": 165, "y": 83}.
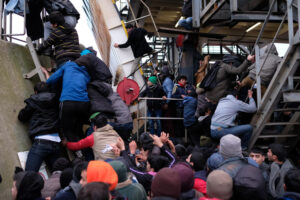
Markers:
{"x": 264, "y": 25}
{"x": 137, "y": 19}
{"x": 138, "y": 120}
{"x": 10, "y": 26}
{"x": 257, "y": 66}
{"x": 1, "y": 17}
{"x": 145, "y": 124}
{"x": 290, "y": 21}
{"x": 133, "y": 15}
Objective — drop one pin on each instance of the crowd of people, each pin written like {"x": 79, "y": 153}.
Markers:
{"x": 110, "y": 163}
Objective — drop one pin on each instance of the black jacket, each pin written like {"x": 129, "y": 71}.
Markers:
{"x": 65, "y": 41}
{"x": 137, "y": 41}
{"x": 34, "y": 23}
{"x": 95, "y": 66}
{"x": 41, "y": 111}
{"x": 64, "y": 6}
{"x": 98, "y": 93}
{"x": 156, "y": 92}
{"x": 187, "y": 9}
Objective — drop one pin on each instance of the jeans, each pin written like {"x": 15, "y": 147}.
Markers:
{"x": 154, "y": 113}
{"x": 70, "y": 20}
{"x": 42, "y": 150}
{"x": 124, "y": 130}
{"x": 242, "y": 131}
{"x": 186, "y": 23}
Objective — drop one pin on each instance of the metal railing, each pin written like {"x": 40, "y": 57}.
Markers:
{"x": 3, "y": 18}
{"x": 145, "y": 118}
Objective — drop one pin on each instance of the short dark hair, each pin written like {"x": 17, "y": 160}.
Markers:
{"x": 99, "y": 121}
{"x": 129, "y": 26}
{"x": 66, "y": 177}
{"x": 258, "y": 151}
{"x": 94, "y": 191}
{"x": 60, "y": 164}
{"x": 158, "y": 162}
{"x": 41, "y": 87}
{"x": 182, "y": 77}
{"x": 292, "y": 180}
{"x": 78, "y": 169}
{"x": 56, "y": 17}
{"x": 198, "y": 160}
{"x": 279, "y": 151}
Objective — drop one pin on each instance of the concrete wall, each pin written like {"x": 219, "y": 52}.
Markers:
{"x": 14, "y": 61}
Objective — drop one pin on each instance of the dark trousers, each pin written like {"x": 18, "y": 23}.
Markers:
{"x": 42, "y": 150}
{"x": 179, "y": 127}
{"x": 73, "y": 114}
{"x": 124, "y": 130}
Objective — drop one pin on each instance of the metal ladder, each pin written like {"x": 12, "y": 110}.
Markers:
{"x": 36, "y": 62}
{"x": 282, "y": 88}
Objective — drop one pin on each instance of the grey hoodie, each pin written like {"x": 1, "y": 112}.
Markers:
{"x": 270, "y": 66}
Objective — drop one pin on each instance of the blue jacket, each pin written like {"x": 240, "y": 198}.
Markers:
{"x": 75, "y": 80}
{"x": 178, "y": 91}
{"x": 189, "y": 109}
{"x": 168, "y": 87}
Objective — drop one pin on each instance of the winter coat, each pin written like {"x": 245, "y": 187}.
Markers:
{"x": 224, "y": 80}
{"x": 65, "y": 41}
{"x": 189, "y": 109}
{"x": 98, "y": 93}
{"x": 138, "y": 43}
{"x": 168, "y": 87}
{"x": 96, "y": 67}
{"x": 201, "y": 104}
{"x": 102, "y": 137}
{"x": 52, "y": 185}
{"x": 75, "y": 80}
{"x": 187, "y": 9}
{"x": 278, "y": 172}
{"x": 290, "y": 196}
{"x": 269, "y": 67}
{"x": 178, "y": 91}
{"x": 41, "y": 111}
{"x": 70, "y": 192}
{"x": 64, "y": 6}
{"x": 200, "y": 181}
{"x": 233, "y": 165}
{"x": 122, "y": 113}
{"x": 133, "y": 191}
{"x": 156, "y": 92}
{"x": 190, "y": 195}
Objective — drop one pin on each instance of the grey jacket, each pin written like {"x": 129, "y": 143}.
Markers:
{"x": 123, "y": 115}
{"x": 224, "y": 80}
{"x": 278, "y": 172}
{"x": 270, "y": 66}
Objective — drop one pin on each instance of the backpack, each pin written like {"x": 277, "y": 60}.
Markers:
{"x": 210, "y": 80}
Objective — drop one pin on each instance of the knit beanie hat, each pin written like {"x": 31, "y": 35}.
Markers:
{"x": 214, "y": 161}
{"x": 120, "y": 169}
{"x": 166, "y": 183}
{"x": 153, "y": 79}
{"x": 219, "y": 185}
{"x": 230, "y": 146}
{"x": 186, "y": 175}
{"x": 100, "y": 171}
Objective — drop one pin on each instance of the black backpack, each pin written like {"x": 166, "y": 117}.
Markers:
{"x": 210, "y": 80}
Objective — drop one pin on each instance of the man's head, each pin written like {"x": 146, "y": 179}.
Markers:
{"x": 276, "y": 153}
{"x": 230, "y": 146}
{"x": 182, "y": 80}
{"x": 152, "y": 81}
{"x": 197, "y": 160}
{"x": 56, "y": 18}
{"x": 292, "y": 180}
{"x": 219, "y": 185}
{"x": 99, "y": 121}
{"x": 129, "y": 27}
{"x": 257, "y": 155}
{"x": 41, "y": 87}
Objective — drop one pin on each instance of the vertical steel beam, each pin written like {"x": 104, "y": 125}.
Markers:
{"x": 257, "y": 67}
{"x": 1, "y": 17}
{"x": 290, "y": 21}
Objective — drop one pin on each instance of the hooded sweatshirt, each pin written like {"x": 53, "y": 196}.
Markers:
{"x": 100, "y": 171}
{"x": 30, "y": 186}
